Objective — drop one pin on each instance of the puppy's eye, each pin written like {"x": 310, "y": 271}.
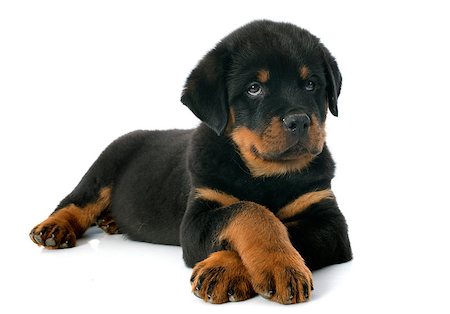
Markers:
{"x": 255, "y": 89}
{"x": 310, "y": 86}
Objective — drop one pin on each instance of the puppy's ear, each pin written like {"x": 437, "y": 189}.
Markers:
{"x": 205, "y": 91}
{"x": 334, "y": 81}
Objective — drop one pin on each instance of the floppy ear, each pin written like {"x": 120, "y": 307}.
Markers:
{"x": 205, "y": 91}
{"x": 334, "y": 81}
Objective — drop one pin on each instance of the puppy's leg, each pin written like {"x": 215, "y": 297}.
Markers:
{"x": 277, "y": 270}
{"x": 222, "y": 276}
{"x": 318, "y": 231}
{"x": 273, "y": 266}
{"x": 90, "y": 200}
{"x": 69, "y": 222}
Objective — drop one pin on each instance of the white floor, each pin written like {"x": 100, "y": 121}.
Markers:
{"x": 108, "y": 273}
{"x": 76, "y": 75}
{"x": 114, "y": 275}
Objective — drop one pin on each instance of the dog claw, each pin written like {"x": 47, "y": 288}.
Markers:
{"x": 50, "y": 241}
{"x": 231, "y": 296}
{"x": 38, "y": 238}
{"x": 305, "y": 291}
{"x": 268, "y": 294}
{"x": 291, "y": 292}
{"x": 198, "y": 287}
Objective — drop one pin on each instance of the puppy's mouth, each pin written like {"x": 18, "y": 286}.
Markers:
{"x": 280, "y": 142}
{"x": 293, "y": 152}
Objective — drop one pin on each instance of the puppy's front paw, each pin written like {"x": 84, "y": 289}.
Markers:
{"x": 221, "y": 278}
{"x": 283, "y": 278}
{"x": 53, "y": 234}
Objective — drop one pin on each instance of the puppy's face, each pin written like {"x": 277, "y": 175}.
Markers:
{"x": 278, "y": 111}
{"x": 268, "y": 86}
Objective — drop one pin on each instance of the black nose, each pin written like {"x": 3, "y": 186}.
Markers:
{"x": 297, "y": 123}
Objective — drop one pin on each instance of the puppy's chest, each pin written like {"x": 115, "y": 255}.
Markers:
{"x": 273, "y": 195}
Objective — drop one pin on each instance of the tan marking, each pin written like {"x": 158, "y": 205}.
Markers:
{"x": 262, "y": 242}
{"x": 68, "y": 223}
{"x": 247, "y": 140}
{"x": 274, "y": 138}
{"x": 254, "y": 148}
{"x": 255, "y": 226}
{"x": 231, "y": 120}
{"x": 271, "y": 140}
{"x": 216, "y": 196}
{"x": 317, "y": 136}
{"x": 303, "y": 202}
{"x": 263, "y": 76}
{"x": 304, "y": 72}
{"x": 225, "y": 270}
{"x": 85, "y": 216}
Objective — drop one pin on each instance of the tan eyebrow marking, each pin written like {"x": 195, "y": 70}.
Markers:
{"x": 304, "y": 72}
{"x": 263, "y": 76}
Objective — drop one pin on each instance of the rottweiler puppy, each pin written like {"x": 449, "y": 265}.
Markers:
{"x": 247, "y": 194}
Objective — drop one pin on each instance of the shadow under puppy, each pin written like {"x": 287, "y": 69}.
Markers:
{"x": 247, "y": 194}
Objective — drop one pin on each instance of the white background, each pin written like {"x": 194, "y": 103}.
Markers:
{"x": 74, "y": 75}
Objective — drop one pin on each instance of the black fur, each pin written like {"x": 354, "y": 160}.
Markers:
{"x": 154, "y": 174}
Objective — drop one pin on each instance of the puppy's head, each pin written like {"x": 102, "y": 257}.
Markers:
{"x": 268, "y": 86}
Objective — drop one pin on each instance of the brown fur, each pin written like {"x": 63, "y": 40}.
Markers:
{"x": 317, "y": 135}
{"x": 304, "y": 72}
{"x": 273, "y": 137}
{"x": 247, "y": 141}
{"x": 254, "y": 147}
{"x": 303, "y": 202}
{"x": 231, "y": 120}
{"x": 106, "y": 222}
{"x": 263, "y": 76}
{"x": 221, "y": 278}
{"x": 65, "y": 225}
{"x": 276, "y": 269}
{"x": 216, "y": 196}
